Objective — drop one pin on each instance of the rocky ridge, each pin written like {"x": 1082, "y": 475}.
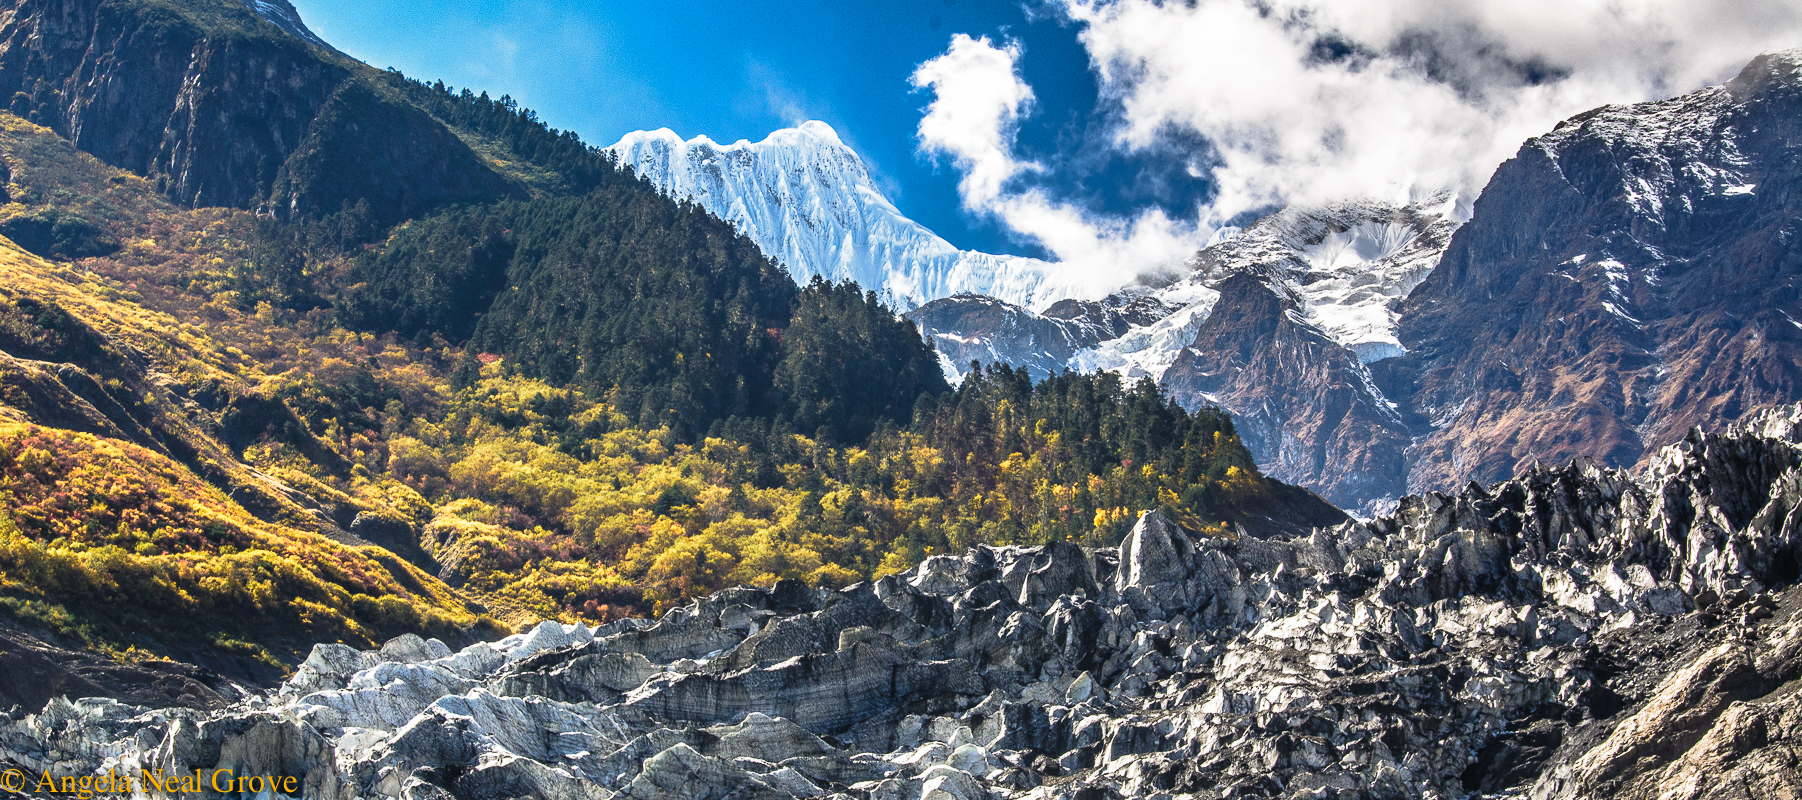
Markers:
{"x": 1575, "y": 632}
{"x": 1288, "y": 316}
{"x": 228, "y": 103}
{"x": 283, "y": 15}
{"x": 1627, "y": 276}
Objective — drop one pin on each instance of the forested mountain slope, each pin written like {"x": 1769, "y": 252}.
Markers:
{"x": 480, "y": 380}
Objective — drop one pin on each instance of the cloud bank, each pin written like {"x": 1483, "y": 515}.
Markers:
{"x": 1306, "y": 101}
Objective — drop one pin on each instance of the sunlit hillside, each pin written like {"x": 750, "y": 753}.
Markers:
{"x": 204, "y": 457}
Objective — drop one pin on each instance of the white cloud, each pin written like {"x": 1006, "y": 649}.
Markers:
{"x": 1309, "y": 100}
{"x": 1426, "y": 94}
{"x": 979, "y": 99}
{"x": 977, "y": 104}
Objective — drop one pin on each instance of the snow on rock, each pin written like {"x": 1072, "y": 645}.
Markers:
{"x": 1346, "y": 265}
{"x": 283, "y": 15}
{"x": 808, "y": 201}
{"x": 1149, "y": 350}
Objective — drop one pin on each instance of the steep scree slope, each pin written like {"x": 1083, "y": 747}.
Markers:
{"x": 1571, "y": 633}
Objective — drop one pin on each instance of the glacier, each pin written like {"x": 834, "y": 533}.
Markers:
{"x": 808, "y": 200}
{"x": 1344, "y": 265}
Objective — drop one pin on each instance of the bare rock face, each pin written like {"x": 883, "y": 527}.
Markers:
{"x": 33, "y": 671}
{"x": 1629, "y": 275}
{"x": 228, "y": 104}
{"x": 1571, "y": 633}
{"x": 1306, "y": 407}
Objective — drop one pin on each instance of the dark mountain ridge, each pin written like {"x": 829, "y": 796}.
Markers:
{"x": 1308, "y": 408}
{"x": 1626, "y": 277}
{"x": 219, "y": 105}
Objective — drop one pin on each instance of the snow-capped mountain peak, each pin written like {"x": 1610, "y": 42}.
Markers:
{"x": 809, "y": 201}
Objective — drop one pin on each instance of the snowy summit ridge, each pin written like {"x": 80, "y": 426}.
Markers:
{"x": 808, "y": 201}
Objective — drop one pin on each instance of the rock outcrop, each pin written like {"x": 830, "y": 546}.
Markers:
{"x": 1629, "y": 275}
{"x": 231, "y": 104}
{"x": 1574, "y": 632}
{"x": 33, "y": 671}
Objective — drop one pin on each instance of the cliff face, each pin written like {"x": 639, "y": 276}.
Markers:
{"x": 1627, "y": 276}
{"x": 1570, "y": 633}
{"x": 1302, "y": 403}
{"x": 211, "y": 101}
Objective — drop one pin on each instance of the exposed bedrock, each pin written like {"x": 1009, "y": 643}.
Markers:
{"x": 1571, "y": 633}
{"x": 229, "y": 105}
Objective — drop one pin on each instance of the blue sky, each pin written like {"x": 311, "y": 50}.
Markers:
{"x": 1200, "y": 113}
{"x": 735, "y": 70}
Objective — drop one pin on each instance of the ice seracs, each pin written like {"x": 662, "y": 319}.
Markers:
{"x": 1571, "y": 633}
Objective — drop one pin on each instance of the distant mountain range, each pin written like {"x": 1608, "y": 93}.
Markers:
{"x": 1627, "y": 276}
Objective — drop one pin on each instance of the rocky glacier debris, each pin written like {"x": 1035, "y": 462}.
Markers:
{"x": 1574, "y": 632}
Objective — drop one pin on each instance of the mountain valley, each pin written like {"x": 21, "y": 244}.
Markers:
{"x": 234, "y": 435}
{"x": 371, "y": 432}
{"x": 1571, "y": 633}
